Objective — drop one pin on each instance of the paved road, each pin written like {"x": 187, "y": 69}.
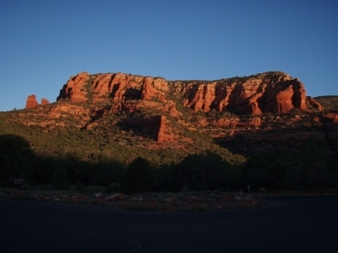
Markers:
{"x": 286, "y": 224}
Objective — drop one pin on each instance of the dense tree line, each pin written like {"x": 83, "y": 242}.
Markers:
{"x": 310, "y": 167}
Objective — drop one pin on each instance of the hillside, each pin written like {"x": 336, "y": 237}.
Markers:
{"x": 329, "y": 103}
{"x": 220, "y": 134}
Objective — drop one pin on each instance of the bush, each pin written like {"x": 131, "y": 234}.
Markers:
{"x": 60, "y": 178}
{"x": 79, "y": 187}
{"x": 113, "y": 188}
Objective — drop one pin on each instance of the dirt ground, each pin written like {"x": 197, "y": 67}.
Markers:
{"x": 154, "y": 202}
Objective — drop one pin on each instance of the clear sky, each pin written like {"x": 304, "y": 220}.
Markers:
{"x": 44, "y": 42}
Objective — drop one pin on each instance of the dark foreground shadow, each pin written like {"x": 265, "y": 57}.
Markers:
{"x": 285, "y": 224}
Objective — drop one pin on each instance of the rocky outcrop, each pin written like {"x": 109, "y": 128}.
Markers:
{"x": 31, "y": 102}
{"x": 315, "y": 104}
{"x": 44, "y": 101}
{"x": 330, "y": 117}
{"x": 72, "y": 111}
{"x": 165, "y": 133}
{"x": 75, "y": 89}
{"x": 236, "y": 122}
{"x": 115, "y": 87}
{"x": 155, "y": 127}
{"x": 270, "y": 92}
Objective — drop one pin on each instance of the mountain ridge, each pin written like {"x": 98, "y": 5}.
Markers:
{"x": 261, "y": 126}
{"x": 274, "y": 92}
{"x": 165, "y": 111}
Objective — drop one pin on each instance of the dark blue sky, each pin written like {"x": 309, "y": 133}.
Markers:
{"x": 43, "y": 43}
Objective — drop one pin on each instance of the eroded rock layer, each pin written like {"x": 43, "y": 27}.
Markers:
{"x": 273, "y": 92}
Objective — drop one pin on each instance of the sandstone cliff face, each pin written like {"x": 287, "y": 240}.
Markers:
{"x": 115, "y": 87}
{"x": 156, "y": 127}
{"x": 273, "y": 92}
{"x": 75, "y": 88}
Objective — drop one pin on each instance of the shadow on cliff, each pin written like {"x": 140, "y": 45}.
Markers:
{"x": 252, "y": 141}
{"x": 142, "y": 125}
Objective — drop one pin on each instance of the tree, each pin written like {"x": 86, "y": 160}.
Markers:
{"x": 265, "y": 170}
{"x": 16, "y": 158}
{"x": 204, "y": 172}
{"x": 312, "y": 162}
{"x": 139, "y": 177}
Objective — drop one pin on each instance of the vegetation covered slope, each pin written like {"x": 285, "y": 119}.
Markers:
{"x": 330, "y": 103}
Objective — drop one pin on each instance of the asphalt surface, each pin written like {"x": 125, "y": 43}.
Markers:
{"x": 285, "y": 224}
